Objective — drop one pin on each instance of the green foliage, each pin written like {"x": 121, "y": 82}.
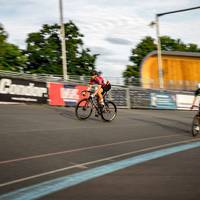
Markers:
{"x": 131, "y": 73}
{"x": 44, "y": 51}
{"x": 11, "y": 57}
{"x": 142, "y": 49}
{"x": 192, "y": 48}
{"x": 148, "y": 45}
{"x": 169, "y": 44}
{"x": 3, "y": 34}
{"x": 85, "y": 63}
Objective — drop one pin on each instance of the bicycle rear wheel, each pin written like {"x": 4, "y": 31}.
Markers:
{"x": 196, "y": 125}
{"x": 83, "y": 109}
{"x": 109, "y": 111}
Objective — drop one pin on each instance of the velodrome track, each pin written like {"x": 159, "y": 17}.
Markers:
{"x": 46, "y": 153}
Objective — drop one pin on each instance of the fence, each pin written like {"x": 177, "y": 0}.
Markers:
{"x": 160, "y": 99}
{"x": 76, "y": 79}
{"x": 28, "y": 88}
{"x": 180, "y": 85}
{"x": 120, "y": 96}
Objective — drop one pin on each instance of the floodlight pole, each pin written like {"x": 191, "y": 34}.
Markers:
{"x": 63, "y": 44}
{"x": 159, "y": 52}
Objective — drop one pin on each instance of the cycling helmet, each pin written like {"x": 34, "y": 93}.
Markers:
{"x": 99, "y": 73}
{"x": 94, "y": 72}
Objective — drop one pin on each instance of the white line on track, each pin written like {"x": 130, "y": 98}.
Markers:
{"x": 97, "y": 161}
{"x": 67, "y": 128}
{"x": 82, "y": 149}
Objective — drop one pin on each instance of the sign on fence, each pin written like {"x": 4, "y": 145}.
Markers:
{"x": 20, "y": 90}
{"x": 140, "y": 98}
{"x": 163, "y": 100}
{"x": 120, "y": 96}
{"x": 64, "y": 94}
{"x": 184, "y": 101}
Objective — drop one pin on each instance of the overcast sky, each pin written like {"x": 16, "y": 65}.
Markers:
{"x": 110, "y": 27}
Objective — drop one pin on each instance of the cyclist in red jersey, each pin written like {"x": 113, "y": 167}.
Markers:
{"x": 196, "y": 93}
{"x": 102, "y": 86}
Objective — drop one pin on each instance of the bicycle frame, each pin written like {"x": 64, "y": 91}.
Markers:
{"x": 196, "y": 123}
{"x": 89, "y": 104}
{"x": 94, "y": 104}
{"x": 198, "y": 112}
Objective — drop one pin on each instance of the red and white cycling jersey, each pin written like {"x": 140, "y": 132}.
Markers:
{"x": 98, "y": 80}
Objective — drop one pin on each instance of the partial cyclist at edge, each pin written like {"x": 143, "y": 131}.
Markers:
{"x": 196, "y": 118}
{"x": 196, "y": 94}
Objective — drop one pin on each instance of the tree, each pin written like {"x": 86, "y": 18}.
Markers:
{"x": 44, "y": 51}
{"x": 192, "y": 48}
{"x": 169, "y": 44}
{"x": 11, "y": 57}
{"x": 148, "y": 45}
{"x": 142, "y": 49}
{"x": 85, "y": 62}
{"x": 3, "y": 34}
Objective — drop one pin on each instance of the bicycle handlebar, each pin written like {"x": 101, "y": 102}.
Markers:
{"x": 195, "y": 106}
{"x": 85, "y": 91}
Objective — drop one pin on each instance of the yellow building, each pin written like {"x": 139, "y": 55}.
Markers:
{"x": 181, "y": 70}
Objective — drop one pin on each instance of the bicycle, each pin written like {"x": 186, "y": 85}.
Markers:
{"x": 196, "y": 123}
{"x": 85, "y": 107}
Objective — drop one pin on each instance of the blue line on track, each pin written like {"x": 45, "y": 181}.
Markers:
{"x": 48, "y": 187}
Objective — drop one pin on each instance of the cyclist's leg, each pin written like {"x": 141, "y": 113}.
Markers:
{"x": 100, "y": 96}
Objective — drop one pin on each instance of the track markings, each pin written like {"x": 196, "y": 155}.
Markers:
{"x": 81, "y": 149}
{"x": 95, "y": 162}
{"x": 48, "y": 187}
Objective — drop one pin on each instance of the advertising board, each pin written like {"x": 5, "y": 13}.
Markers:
{"x": 21, "y": 90}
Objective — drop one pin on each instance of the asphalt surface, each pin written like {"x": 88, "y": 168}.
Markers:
{"x": 42, "y": 143}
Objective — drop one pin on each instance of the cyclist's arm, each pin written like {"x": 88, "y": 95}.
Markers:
{"x": 195, "y": 97}
{"x": 97, "y": 90}
{"x": 193, "y": 103}
{"x": 89, "y": 87}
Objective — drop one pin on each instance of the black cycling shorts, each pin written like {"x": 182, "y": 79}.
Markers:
{"x": 106, "y": 88}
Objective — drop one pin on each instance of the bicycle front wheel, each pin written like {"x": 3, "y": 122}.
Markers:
{"x": 83, "y": 109}
{"x": 109, "y": 111}
{"x": 196, "y": 125}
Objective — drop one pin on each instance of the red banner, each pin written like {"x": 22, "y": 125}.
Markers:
{"x": 64, "y": 95}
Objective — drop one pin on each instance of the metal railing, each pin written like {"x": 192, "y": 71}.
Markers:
{"x": 58, "y": 78}
{"x": 180, "y": 85}
{"x": 45, "y": 77}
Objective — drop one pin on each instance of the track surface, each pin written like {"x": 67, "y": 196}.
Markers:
{"x": 41, "y": 143}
